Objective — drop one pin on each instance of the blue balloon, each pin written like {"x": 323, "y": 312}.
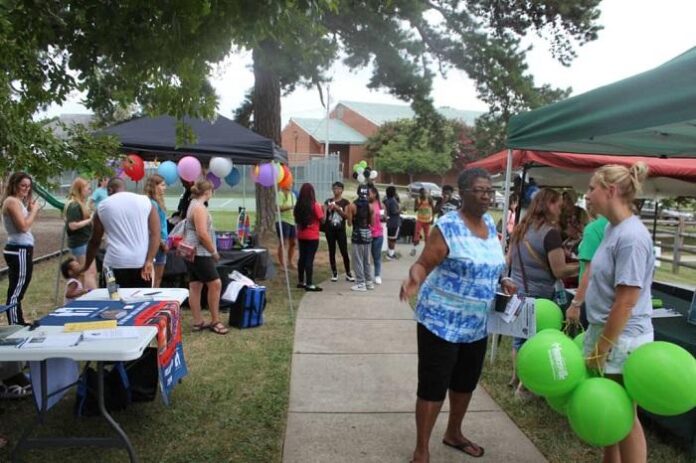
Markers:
{"x": 233, "y": 177}
{"x": 167, "y": 170}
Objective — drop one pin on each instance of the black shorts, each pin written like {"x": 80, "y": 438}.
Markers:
{"x": 289, "y": 231}
{"x": 393, "y": 233}
{"x": 202, "y": 269}
{"x": 446, "y": 365}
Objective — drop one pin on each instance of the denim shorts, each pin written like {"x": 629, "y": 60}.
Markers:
{"x": 160, "y": 258}
{"x": 79, "y": 251}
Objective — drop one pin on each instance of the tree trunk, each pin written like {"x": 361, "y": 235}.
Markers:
{"x": 266, "y": 103}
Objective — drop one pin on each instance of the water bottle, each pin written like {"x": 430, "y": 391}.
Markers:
{"x": 559, "y": 293}
{"x": 111, "y": 284}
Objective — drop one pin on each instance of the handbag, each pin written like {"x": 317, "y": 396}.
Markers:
{"x": 186, "y": 251}
{"x": 559, "y": 295}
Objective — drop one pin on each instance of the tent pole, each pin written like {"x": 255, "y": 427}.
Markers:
{"x": 506, "y": 206}
{"x": 60, "y": 255}
{"x": 244, "y": 187}
{"x": 282, "y": 249}
{"x": 657, "y": 209}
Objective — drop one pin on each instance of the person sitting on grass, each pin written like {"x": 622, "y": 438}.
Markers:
{"x": 70, "y": 269}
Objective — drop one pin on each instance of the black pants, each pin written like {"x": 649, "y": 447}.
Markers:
{"x": 20, "y": 263}
{"x": 130, "y": 278}
{"x": 333, "y": 236}
{"x": 305, "y": 264}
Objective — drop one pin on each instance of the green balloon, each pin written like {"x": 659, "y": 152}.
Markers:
{"x": 661, "y": 378}
{"x": 547, "y": 314}
{"x": 550, "y": 364}
{"x": 579, "y": 341}
{"x": 600, "y": 412}
{"x": 363, "y": 164}
{"x": 356, "y": 166}
{"x": 559, "y": 404}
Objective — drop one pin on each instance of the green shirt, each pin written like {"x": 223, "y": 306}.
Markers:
{"x": 591, "y": 238}
{"x": 76, "y": 238}
{"x": 287, "y": 200}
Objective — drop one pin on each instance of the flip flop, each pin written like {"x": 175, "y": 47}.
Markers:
{"x": 202, "y": 326}
{"x": 467, "y": 447}
{"x": 15, "y": 391}
{"x": 219, "y": 328}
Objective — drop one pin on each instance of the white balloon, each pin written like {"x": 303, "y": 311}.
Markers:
{"x": 373, "y": 175}
{"x": 361, "y": 178}
{"x": 221, "y": 167}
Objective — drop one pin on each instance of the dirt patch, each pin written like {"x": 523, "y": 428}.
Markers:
{"x": 47, "y": 230}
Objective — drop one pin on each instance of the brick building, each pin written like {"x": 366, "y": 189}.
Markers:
{"x": 349, "y": 125}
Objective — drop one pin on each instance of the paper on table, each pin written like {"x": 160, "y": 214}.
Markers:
{"x": 665, "y": 313}
{"x": 114, "y": 333}
{"x": 43, "y": 341}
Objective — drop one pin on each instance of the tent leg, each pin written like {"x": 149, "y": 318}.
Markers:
{"x": 282, "y": 250}
{"x": 657, "y": 210}
{"x": 506, "y": 205}
{"x": 55, "y": 292}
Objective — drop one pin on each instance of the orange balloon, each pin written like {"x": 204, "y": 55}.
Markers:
{"x": 287, "y": 180}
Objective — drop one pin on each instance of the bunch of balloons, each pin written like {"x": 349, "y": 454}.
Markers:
{"x": 659, "y": 376}
{"x": 362, "y": 172}
{"x": 272, "y": 172}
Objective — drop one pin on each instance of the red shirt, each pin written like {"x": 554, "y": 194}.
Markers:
{"x": 311, "y": 232}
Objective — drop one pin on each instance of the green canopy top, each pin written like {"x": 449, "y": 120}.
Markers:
{"x": 649, "y": 114}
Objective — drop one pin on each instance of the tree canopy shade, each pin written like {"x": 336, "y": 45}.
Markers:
{"x": 666, "y": 177}
{"x": 223, "y": 137}
{"x": 651, "y": 114}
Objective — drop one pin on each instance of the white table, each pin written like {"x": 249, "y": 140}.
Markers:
{"x": 99, "y": 351}
{"x": 157, "y": 294}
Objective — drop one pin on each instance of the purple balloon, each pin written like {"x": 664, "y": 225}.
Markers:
{"x": 214, "y": 179}
{"x": 267, "y": 175}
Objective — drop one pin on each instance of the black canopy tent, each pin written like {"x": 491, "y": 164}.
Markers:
{"x": 153, "y": 137}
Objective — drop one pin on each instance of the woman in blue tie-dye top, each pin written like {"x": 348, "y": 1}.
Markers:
{"x": 457, "y": 273}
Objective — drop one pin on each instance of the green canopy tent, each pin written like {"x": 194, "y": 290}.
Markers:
{"x": 650, "y": 114}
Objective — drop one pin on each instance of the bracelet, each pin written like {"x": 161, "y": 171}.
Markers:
{"x": 575, "y": 303}
{"x": 506, "y": 279}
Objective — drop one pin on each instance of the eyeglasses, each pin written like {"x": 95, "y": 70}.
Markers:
{"x": 481, "y": 191}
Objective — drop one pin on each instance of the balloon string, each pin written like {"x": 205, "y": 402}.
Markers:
{"x": 597, "y": 356}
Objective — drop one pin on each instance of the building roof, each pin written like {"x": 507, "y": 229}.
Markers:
{"x": 69, "y": 120}
{"x": 339, "y": 133}
{"x": 379, "y": 113}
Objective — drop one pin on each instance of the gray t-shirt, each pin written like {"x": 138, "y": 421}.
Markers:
{"x": 625, "y": 257}
{"x": 540, "y": 279}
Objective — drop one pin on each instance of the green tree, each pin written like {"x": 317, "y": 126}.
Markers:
{"x": 408, "y": 147}
{"x": 406, "y": 42}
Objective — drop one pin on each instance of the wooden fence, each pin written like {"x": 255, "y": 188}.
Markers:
{"x": 682, "y": 235}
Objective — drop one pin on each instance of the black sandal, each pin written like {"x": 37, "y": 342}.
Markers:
{"x": 219, "y": 328}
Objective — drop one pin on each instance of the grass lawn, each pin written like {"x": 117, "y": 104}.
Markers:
{"x": 231, "y": 407}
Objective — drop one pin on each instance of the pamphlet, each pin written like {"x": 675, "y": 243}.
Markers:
{"x": 44, "y": 341}
{"x": 110, "y": 334}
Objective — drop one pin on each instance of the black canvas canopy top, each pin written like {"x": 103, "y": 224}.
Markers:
{"x": 156, "y": 137}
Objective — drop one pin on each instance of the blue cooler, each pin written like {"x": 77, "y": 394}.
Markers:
{"x": 247, "y": 310}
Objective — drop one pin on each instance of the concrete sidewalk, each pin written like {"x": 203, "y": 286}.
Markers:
{"x": 354, "y": 377}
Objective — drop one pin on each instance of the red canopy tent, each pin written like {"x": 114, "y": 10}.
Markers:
{"x": 667, "y": 177}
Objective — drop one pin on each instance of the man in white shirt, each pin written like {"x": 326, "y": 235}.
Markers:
{"x": 132, "y": 235}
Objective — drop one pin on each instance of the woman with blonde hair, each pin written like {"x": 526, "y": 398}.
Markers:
{"x": 155, "y": 187}
{"x": 618, "y": 300}
{"x": 199, "y": 233}
{"x": 78, "y": 226}
{"x": 536, "y": 256}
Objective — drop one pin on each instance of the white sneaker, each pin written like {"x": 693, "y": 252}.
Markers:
{"x": 389, "y": 257}
{"x": 358, "y": 287}
{"x": 378, "y": 280}
{"x": 350, "y": 277}
{"x": 413, "y": 252}
{"x": 334, "y": 277}
{"x": 370, "y": 285}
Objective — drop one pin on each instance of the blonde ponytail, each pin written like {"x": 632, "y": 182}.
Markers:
{"x": 627, "y": 180}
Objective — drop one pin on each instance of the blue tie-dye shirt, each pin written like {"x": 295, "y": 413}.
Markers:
{"x": 454, "y": 300}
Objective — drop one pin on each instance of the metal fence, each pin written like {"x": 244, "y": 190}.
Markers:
{"x": 321, "y": 172}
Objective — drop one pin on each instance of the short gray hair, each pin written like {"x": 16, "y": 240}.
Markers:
{"x": 467, "y": 177}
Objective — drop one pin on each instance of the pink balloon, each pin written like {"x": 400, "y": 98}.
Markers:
{"x": 267, "y": 175}
{"x": 214, "y": 179}
{"x": 189, "y": 168}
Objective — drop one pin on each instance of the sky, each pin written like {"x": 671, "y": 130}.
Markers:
{"x": 638, "y": 35}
